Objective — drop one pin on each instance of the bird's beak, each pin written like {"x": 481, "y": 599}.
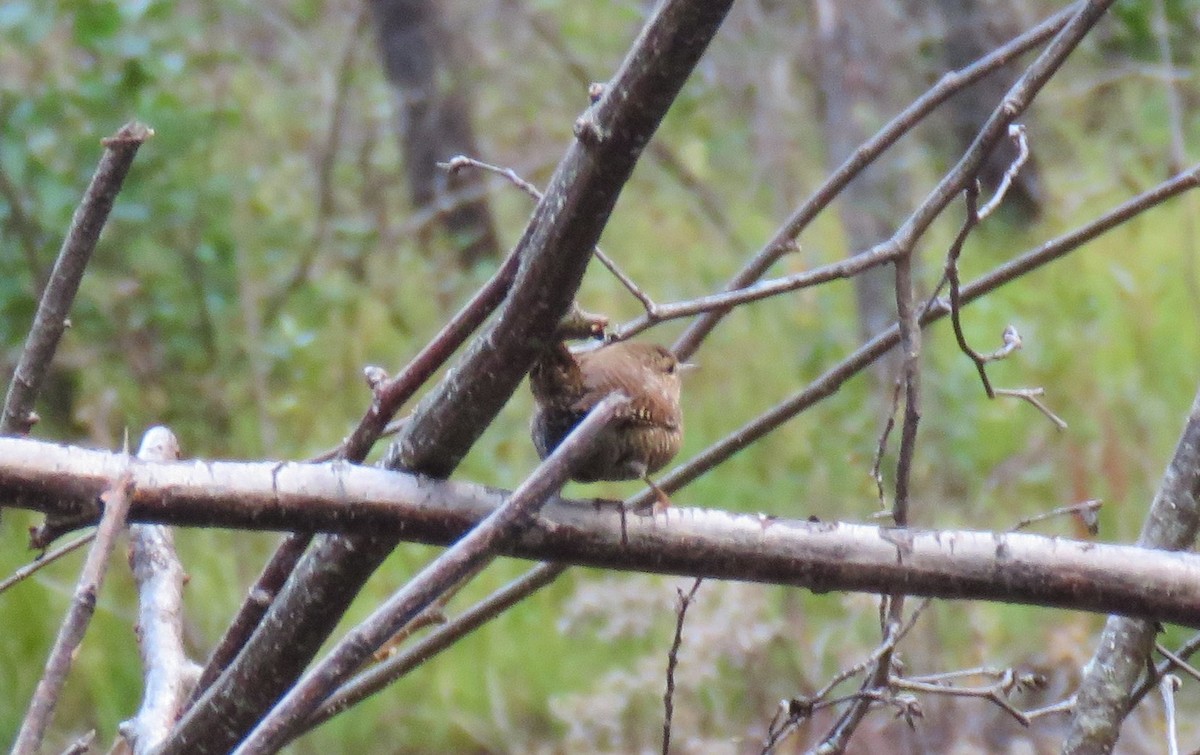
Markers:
{"x": 685, "y": 367}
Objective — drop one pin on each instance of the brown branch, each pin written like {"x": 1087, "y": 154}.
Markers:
{"x": 893, "y": 603}
{"x": 1011, "y": 338}
{"x": 51, "y": 318}
{"x": 466, "y": 556}
{"x": 554, "y": 252}
{"x": 1124, "y": 647}
{"x": 377, "y": 677}
{"x": 387, "y": 398}
{"x": 83, "y": 604}
{"x": 1178, "y": 662}
{"x": 833, "y": 378}
{"x": 461, "y": 161}
{"x": 784, "y": 239}
{"x": 1013, "y": 567}
{"x": 799, "y": 709}
{"x": 1185, "y": 651}
{"x": 685, "y": 600}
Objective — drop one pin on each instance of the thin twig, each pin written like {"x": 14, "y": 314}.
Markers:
{"x": 1061, "y": 708}
{"x": 377, "y": 677}
{"x": 1178, "y": 662}
{"x": 685, "y": 600}
{"x": 784, "y": 239}
{"x": 996, "y": 692}
{"x": 1086, "y": 511}
{"x": 461, "y": 161}
{"x": 46, "y": 559}
{"x": 832, "y": 379}
{"x": 881, "y": 448}
{"x": 1031, "y": 395}
{"x": 51, "y": 318}
{"x": 893, "y": 608}
{"x": 1147, "y": 685}
{"x": 83, "y": 605}
{"x": 799, "y": 709}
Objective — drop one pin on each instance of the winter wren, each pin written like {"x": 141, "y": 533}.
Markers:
{"x": 641, "y": 439}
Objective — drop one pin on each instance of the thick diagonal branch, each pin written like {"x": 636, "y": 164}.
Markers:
{"x": 1125, "y": 645}
{"x": 554, "y": 252}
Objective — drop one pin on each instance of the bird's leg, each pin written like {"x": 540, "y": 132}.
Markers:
{"x": 661, "y": 501}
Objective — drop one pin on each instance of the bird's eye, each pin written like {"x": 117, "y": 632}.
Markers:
{"x": 671, "y": 368}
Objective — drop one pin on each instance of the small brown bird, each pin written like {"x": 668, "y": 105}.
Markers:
{"x": 641, "y": 439}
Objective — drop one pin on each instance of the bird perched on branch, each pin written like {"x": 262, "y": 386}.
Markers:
{"x": 641, "y": 439}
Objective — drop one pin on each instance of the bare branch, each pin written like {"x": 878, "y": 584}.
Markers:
{"x": 83, "y": 603}
{"x": 1015, "y": 567}
{"x": 460, "y": 162}
{"x": 785, "y": 238}
{"x": 833, "y": 378}
{"x": 1124, "y": 647}
{"x": 169, "y": 674}
{"x": 1147, "y": 685}
{"x": 377, "y": 677}
{"x": 51, "y": 318}
{"x": 1086, "y": 510}
{"x": 1016, "y": 132}
{"x": 800, "y": 709}
{"x": 685, "y": 600}
{"x": 893, "y": 606}
{"x": 45, "y": 560}
{"x": 1178, "y": 662}
{"x": 466, "y": 556}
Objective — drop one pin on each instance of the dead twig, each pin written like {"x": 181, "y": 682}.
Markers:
{"x": 1085, "y": 511}
{"x": 685, "y": 600}
{"x": 51, "y": 319}
{"x": 461, "y": 162}
{"x": 46, "y": 559}
{"x": 83, "y": 605}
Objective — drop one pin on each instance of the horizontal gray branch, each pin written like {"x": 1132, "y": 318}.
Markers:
{"x": 64, "y": 482}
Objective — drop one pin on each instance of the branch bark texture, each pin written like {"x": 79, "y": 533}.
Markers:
{"x": 554, "y": 252}
{"x": 51, "y": 318}
{"x": 1012, "y": 567}
{"x": 1124, "y": 649}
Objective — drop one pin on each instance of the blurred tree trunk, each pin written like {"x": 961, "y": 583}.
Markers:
{"x": 974, "y": 28}
{"x": 418, "y": 52}
{"x": 858, "y": 75}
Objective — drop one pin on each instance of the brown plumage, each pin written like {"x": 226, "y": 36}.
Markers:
{"x": 641, "y": 439}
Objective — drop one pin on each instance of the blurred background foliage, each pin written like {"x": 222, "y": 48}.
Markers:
{"x": 264, "y": 250}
